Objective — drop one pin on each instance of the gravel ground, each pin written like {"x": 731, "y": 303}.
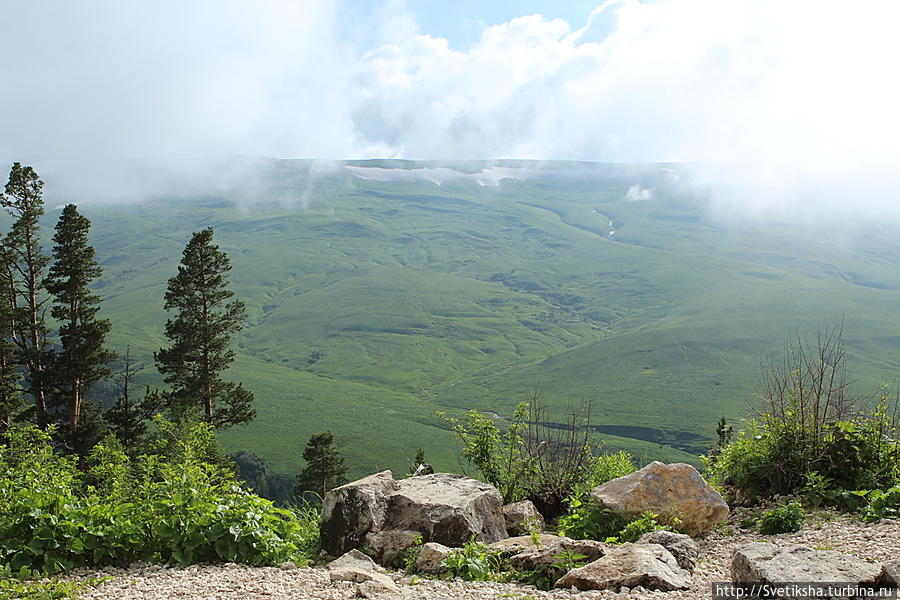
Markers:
{"x": 877, "y": 542}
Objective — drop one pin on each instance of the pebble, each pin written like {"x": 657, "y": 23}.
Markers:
{"x": 878, "y": 542}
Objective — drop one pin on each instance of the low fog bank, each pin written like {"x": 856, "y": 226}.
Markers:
{"x": 807, "y": 199}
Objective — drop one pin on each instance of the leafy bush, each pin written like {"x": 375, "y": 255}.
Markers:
{"x": 545, "y": 576}
{"x": 882, "y": 505}
{"x": 635, "y": 529}
{"x": 785, "y": 518}
{"x": 474, "y": 562}
{"x": 812, "y": 432}
{"x": 153, "y": 508}
{"x": 533, "y": 458}
{"x": 500, "y": 456}
{"x": 586, "y": 520}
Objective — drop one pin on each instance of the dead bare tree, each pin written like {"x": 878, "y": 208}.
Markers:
{"x": 560, "y": 453}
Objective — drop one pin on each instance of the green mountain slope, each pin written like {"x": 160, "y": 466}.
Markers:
{"x": 373, "y": 304}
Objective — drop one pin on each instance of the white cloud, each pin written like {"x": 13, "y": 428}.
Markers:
{"x": 790, "y": 91}
{"x": 636, "y": 193}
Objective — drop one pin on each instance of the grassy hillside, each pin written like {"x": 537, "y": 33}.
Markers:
{"x": 372, "y": 304}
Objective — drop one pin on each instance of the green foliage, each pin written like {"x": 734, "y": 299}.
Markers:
{"x": 501, "y": 456}
{"x": 171, "y": 507}
{"x": 586, "y": 520}
{"x": 646, "y": 523}
{"x": 405, "y": 560}
{"x": 200, "y": 333}
{"x": 603, "y": 468}
{"x": 18, "y": 586}
{"x": 325, "y": 468}
{"x": 23, "y": 200}
{"x": 882, "y": 504}
{"x": 82, "y": 359}
{"x": 474, "y": 562}
{"x": 544, "y": 576}
{"x": 787, "y": 517}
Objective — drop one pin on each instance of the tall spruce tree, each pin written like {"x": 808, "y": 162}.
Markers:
{"x": 23, "y": 199}
{"x": 11, "y": 401}
{"x": 200, "y": 334}
{"x": 82, "y": 359}
{"x": 325, "y": 468}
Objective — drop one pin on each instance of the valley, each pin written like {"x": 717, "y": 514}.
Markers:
{"x": 375, "y": 302}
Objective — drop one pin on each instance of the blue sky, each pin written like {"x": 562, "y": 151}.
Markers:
{"x": 462, "y": 22}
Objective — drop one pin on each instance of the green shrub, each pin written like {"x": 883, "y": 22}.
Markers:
{"x": 785, "y": 518}
{"x": 501, "y": 456}
{"x": 545, "y": 576}
{"x": 635, "y": 529}
{"x": 532, "y": 458}
{"x": 155, "y": 508}
{"x": 474, "y": 562}
{"x": 812, "y": 433}
{"x": 882, "y": 505}
{"x": 603, "y": 468}
{"x": 586, "y": 520}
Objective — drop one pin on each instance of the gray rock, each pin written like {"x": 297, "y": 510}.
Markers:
{"x": 351, "y": 511}
{"x": 354, "y": 559}
{"x": 448, "y": 509}
{"x": 761, "y": 562}
{"x": 441, "y": 507}
{"x": 890, "y": 573}
{"x": 669, "y": 490}
{"x": 387, "y": 543}
{"x": 629, "y": 566}
{"x": 683, "y": 547}
{"x": 524, "y": 555}
{"x": 357, "y": 567}
{"x": 431, "y": 557}
{"x": 525, "y": 543}
{"x": 522, "y": 518}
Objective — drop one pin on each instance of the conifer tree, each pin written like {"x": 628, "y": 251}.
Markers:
{"x": 23, "y": 199}
{"x": 82, "y": 359}
{"x": 128, "y": 418}
{"x": 11, "y": 401}
{"x": 325, "y": 468}
{"x": 200, "y": 334}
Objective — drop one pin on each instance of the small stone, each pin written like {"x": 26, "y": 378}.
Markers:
{"x": 287, "y": 566}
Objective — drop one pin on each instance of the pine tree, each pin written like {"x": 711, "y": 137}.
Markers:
{"x": 200, "y": 335}
{"x": 126, "y": 417}
{"x": 82, "y": 359}
{"x": 23, "y": 199}
{"x": 11, "y": 401}
{"x": 325, "y": 468}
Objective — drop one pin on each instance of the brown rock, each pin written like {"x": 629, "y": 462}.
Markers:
{"x": 522, "y": 518}
{"x": 628, "y": 566}
{"x": 669, "y": 490}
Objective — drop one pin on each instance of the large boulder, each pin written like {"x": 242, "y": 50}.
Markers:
{"x": 668, "y": 490}
{"x": 761, "y": 562}
{"x": 628, "y": 566}
{"x": 351, "y": 511}
{"x": 385, "y": 514}
{"x": 522, "y": 518}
